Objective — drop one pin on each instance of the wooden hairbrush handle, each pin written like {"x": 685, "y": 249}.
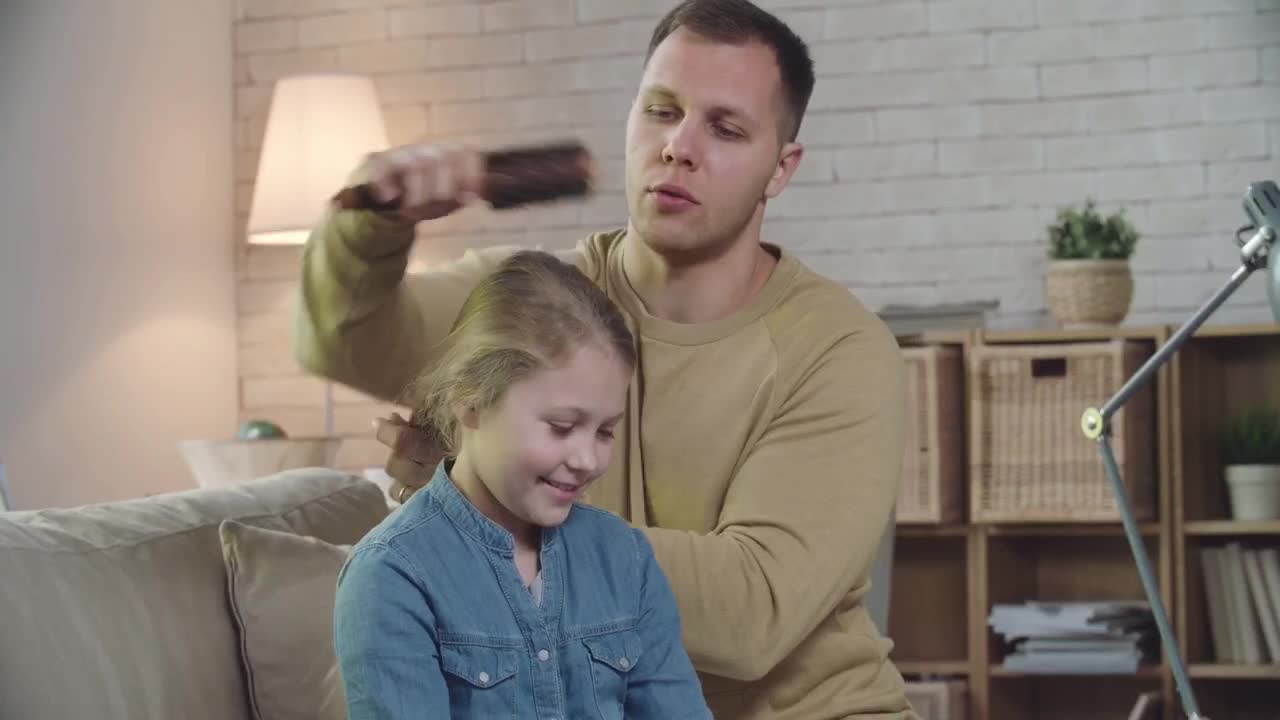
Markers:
{"x": 513, "y": 177}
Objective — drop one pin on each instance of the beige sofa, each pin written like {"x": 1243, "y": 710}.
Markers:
{"x": 205, "y": 604}
{"x": 158, "y": 609}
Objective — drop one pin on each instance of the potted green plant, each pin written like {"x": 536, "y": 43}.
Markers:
{"x": 1250, "y": 444}
{"x": 1090, "y": 283}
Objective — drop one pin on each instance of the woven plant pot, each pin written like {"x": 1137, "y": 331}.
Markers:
{"x": 1089, "y": 293}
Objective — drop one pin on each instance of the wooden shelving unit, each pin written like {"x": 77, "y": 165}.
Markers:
{"x": 948, "y": 577}
{"x": 1221, "y": 371}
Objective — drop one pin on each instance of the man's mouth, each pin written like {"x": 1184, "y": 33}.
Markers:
{"x": 674, "y": 191}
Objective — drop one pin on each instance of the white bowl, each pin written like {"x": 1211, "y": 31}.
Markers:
{"x": 216, "y": 463}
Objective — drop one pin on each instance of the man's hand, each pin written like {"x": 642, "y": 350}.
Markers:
{"x": 429, "y": 180}
{"x": 414, "y": 455}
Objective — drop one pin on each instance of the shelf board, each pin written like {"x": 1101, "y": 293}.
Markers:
{"x": 1233, "y": 330}
{"x": 1056, "y": 334}
{"x": 905, "y": 530}
{"x": 1232, "y": 527}
{"x": 1236, "y": 672}
{"x": 933, "y": 667}
{"x": 1151, "y": 529}
{"x": 1145, "y": 672}
{"x": 934, "y": 337}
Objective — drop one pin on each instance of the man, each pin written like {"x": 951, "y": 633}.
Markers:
{"x": 764, "y": 434}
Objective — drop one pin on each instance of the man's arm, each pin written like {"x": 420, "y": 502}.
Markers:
{"x": 663, "y": 685}
{"x": 359, "y": 319}
{"x": 384, "y": 636}
{"x": 802, "y": 518}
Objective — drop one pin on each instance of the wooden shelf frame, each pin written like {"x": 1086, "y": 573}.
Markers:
{"x": 1191, "y": 511}
{"x": 1231, "y": 528}
{"x": 1221, "y": 370}
{"x": 1233, "y": 671}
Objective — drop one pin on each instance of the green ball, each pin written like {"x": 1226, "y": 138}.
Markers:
{"x": 260, "y": 430}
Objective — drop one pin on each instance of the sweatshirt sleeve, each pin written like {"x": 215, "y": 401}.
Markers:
{"x": 802, "y": 518}
{"x": 359, "y": 318}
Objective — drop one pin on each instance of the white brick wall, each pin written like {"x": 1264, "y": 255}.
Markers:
{"x": 942, "y": 137}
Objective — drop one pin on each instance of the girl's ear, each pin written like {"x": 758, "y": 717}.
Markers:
{"x": 467, "y": 416}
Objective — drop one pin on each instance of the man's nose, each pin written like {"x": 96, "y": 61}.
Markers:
{"x": 682, "y": 146}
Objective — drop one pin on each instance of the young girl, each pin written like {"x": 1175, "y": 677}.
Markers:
{"x": 492, "y": 593}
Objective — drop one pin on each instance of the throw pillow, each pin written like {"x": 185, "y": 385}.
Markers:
{"x": 281, "y": 588}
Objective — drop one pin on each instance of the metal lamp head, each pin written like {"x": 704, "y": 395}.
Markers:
{"x": 1273, "y": 289}
{"x": 1262, "y": 205}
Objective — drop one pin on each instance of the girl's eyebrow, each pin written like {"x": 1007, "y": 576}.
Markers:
{"x": 565, "y": 414}
{"x": 577, "y": 413}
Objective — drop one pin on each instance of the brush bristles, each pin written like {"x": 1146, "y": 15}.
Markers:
{"x": 514, "y": 177}
{"x": 524, "y": 176}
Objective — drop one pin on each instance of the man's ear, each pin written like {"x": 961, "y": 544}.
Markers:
{"x": 788, "y": 161}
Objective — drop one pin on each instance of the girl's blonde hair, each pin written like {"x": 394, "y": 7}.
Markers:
{"x": 529, "y": 314}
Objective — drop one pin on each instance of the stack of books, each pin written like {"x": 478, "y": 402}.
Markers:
{"x": 1076, "y": 638}
{"x": 1242, "y": 590}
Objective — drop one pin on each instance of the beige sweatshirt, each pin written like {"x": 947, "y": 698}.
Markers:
{"x": 761, "y": 453}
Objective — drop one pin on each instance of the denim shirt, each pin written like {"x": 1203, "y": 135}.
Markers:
{"x": 432, "y": 620}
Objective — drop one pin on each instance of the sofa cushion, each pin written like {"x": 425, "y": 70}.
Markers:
{"x": 119, "y": 610}
{"x": 282, "y": 587}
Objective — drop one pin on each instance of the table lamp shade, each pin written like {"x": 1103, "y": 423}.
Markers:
{"x": 318, "y": 129}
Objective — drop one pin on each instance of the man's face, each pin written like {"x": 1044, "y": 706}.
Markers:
{"x": 704, "y": 144}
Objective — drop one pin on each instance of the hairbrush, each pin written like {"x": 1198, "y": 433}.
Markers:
{"x": 513, "y": 177}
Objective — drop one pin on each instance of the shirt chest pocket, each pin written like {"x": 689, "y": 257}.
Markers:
{"x": 482, "y": 680}
{"x": 612, "y": 658}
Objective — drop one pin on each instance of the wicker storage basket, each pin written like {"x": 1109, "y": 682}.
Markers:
{"x": 932, "y": 487}
{"x": 1029, "y": 459}
{"x": 939, "y": 699}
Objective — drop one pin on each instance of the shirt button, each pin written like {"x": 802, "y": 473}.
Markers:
{"x": 625, "y": 663}
{"x": 484, "y": 678}
{"x": 543, "y": 655}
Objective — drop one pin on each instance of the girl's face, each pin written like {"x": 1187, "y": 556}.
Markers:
{"x": 548, "y": 438}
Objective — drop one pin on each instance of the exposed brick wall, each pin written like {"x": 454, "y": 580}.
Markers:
{"x": 941, "y": 139}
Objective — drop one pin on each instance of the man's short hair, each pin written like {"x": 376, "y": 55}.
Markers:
{"x": 739, "y": 22}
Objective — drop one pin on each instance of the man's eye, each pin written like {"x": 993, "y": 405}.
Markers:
{"x": 606, "y": 434}
{"x": 661, "y": 113}
{"x": 726, "y": 132}
{"x": 561, "y": 428}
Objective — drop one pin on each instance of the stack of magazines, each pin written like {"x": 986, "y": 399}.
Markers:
{"x": 1076, "y": 638}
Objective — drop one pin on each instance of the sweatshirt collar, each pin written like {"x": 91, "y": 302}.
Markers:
{"x": 675, "y": 333}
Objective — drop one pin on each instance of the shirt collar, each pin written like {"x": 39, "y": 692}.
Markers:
{"x": 467, "y": 518}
